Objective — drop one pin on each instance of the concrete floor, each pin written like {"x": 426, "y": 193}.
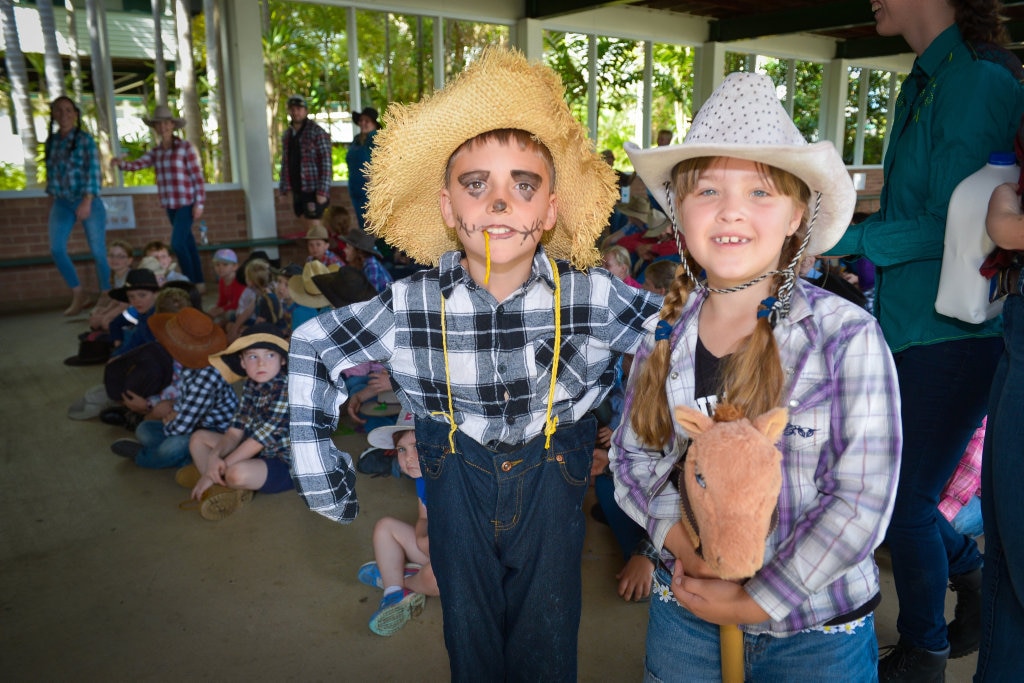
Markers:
{"x": 103, "y": 577}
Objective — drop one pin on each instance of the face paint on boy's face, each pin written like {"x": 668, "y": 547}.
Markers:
{"x": 502, "y": 191}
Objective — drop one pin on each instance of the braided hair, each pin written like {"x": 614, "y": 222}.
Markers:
{"x": 53, "y": 129}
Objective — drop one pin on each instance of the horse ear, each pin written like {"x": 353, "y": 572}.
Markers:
{"x": 772, "y": 423}
{"x": 693, "y": 421}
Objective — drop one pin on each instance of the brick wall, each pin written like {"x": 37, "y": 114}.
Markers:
{"x": 24, "y": 233}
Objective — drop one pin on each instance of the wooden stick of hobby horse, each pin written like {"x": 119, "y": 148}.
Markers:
{"x": 732, "y": 653}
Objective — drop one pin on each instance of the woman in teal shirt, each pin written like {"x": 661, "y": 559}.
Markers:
{"x": 961, "y": 101}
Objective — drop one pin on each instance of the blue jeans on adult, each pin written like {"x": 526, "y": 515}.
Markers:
{"x": 159, "y": 450}
{"x": 943, "y": 393}
{"x": 506, "y": 540}
{"x": 682, "y": 647}
{"x": 62, "y": 220}
{"x": 183, "y": 242}
{"x": 1001, "y": 657}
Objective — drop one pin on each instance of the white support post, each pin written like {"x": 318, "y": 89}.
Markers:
{"x": 245, "y": 74}
{"x": 592, "y": 86}
{"x": 863, "y": 84}
{"x": 832, "y": 115}
{"x": 708, "y": 71}
{"x": 439, "y": 53}
{"x": 355, "y": 92}
{"x": 648, "y": 94}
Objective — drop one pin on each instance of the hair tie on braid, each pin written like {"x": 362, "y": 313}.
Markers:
{"x": 662, "y": 331}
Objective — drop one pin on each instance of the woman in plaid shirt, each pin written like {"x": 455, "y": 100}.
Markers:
{"x": 180, "y": 184}
{"x": 73, "y": 180}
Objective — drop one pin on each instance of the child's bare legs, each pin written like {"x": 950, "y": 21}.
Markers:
{"x": 394, "y": 544}
{"x": 248, "y": 475}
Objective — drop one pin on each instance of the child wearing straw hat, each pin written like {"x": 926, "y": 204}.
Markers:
{"x": 750, "y": 196}
{"x": 205, "y": 400}
{"x": 254, "y": 453}
{"x": 501, "y": 350}
{"x": 179, "y": 183}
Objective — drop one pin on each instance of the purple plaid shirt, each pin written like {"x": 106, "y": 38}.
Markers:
{"x": 840, "y": 454}
{"x": 179, "y": 177}
{"x": 316, "y": 168}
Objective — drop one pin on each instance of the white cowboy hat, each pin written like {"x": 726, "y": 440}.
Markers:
{"x": 744, "y": 119}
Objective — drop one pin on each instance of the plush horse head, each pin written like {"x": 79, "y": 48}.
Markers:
{"x": 731, "y": 482}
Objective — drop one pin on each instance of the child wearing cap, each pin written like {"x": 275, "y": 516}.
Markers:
{"x": 401, "y": 567}
{"x": 229, "y": 289}
{"x": 205, "y": 400}
{"x": 254, "y": 453}
{"x": 500, "y": 351}
{"x": 318, "y": 244}
{"x": 739, "y": 327}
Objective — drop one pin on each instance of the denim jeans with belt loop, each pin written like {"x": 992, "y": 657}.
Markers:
{"x": 506, "y": 539}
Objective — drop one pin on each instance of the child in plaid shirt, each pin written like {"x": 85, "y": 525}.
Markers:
{"x": 254, "y": 454}
{"x": 501, "y": 352}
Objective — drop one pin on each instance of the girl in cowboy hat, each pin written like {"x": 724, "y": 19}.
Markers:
{"x": 750, "y": 196}
{"x": 361, "y": 252}
{"x": 501, "y": 351}
{"x": 179, "y": 183}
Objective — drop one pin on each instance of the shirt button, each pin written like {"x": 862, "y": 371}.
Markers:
{"x": 506, "y": 466}
{"x": 510, "y": 420}
{"x": 793, "y": 403}
{"x": 507, "y": 397}
{"x": 501, "y": 368}
{"x": 675, "y": 375}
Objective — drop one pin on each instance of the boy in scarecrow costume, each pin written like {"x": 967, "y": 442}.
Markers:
{"x": 501, "y": 350}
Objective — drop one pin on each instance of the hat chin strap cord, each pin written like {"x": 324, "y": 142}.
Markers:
{"x": 776, "y": 307}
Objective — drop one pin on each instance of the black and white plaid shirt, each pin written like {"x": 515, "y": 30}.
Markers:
{"x": 205, "y": 401}
{"x": 499, "y": 357}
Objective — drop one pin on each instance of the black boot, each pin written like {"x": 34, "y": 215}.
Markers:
{"x": 965, "y": 629}
{"x": 906, "y": 664}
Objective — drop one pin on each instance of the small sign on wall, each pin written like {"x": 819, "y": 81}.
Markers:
{"x": 120, "y": 212}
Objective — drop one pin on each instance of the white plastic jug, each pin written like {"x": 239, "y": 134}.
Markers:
{"x": 963, "y": 291}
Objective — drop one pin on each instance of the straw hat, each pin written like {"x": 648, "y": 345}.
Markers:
{"x": 501, "y": 89}
{"x": 164, "y": 113}
{"x": 639, "y": 206}
{"x": 304, "y": 290}
{"x": 744, "y": 119}
{"x": 317, "y": 232}
{"x": 259, "y": 336}
{"x": 189, "y": 335}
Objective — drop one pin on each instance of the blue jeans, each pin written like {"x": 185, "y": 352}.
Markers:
{"x": 158, "y": 449}
{"x": 943, "y": 392}
{"x": 183, "y": 242}
{"x": 506, "y": 541}
{"x": 62, "y": 221}
{"x": 1002, "y": 608}
{"x": 681, "y": 647}
{"x": 627, "y": 532}
{"x": 968, "y": 520}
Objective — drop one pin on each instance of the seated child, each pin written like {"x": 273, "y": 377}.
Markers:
{"x": 205, "y": 400}
{"x": 402, "y": 565}
{"x": 659, "y": 275}
{"x": 129, "y": 330}
{"x": 168, "y": 269}
{"x": 306, "y": 295}
{"x": 319, "y": 246}
{"x": 361, "y": 252}
{"x": 338, "y": 222}
{"x": 616, "y": 261}
{"x": 257, "y": 286}
{"x": 254, "y": 454}
{"x": 119, "y": 255}
{"x": 229, "y": 289}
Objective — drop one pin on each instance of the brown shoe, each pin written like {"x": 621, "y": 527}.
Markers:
{"x": 220, "y": 505}
{"x": 187, "y": 477}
